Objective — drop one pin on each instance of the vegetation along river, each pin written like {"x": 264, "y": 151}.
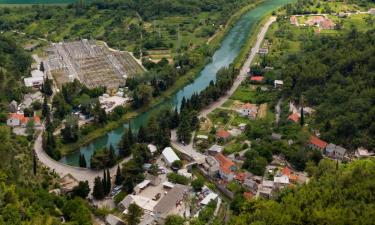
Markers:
{"x": 229, "y": 49}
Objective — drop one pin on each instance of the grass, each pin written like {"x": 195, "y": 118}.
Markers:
{"x": 244, "y": 94}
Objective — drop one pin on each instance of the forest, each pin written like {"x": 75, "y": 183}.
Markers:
{"x": 336, "y": 75}
{"x": 336, "y": 194}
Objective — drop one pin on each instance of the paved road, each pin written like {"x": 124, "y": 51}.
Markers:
{"x": 81, "y": 174}
{"x": 243, "y": 71}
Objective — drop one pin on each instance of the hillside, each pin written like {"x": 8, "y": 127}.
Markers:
{"x": 333, "y": 196}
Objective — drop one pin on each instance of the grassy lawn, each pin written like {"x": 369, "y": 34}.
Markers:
{"x": 244, "y": 94}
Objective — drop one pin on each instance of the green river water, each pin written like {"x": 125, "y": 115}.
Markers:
{"x": 229, "y": 49}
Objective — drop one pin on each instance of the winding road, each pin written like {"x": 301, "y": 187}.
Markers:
{"x": 83, "y": 174}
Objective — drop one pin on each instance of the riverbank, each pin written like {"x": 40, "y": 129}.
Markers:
{"x": 66, "y": 149}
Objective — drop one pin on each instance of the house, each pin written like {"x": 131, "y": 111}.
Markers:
{"x": 154, "y": 180}
{"x": 214, "y": 149}
{"x": 211, "y": 165}
{"x": 266, "y": 192}
{"x": 185, "y": 173}
{"x": 67, "y": 183}
{"x": 18, "y": 119}
{"x": 223, "y": 135}
{"x": 327, "y": 24}
{"x": 263, "y": 51}
{"x": 145, "y": 203}
{"x": 36, "y": 79}
{"x": 169, "y": 156}
{"x": 242, "y": 126}
{"x": 141, "y": 186}
{"x": 363, "y": 153}
{"x": 227, "y": 167}
{"x": 316, "y": 143}
{"x": 268, "y": 184}
{"x": 293, "y": 20}
{"x": 240, "y": 177}
{"x": 281, "y": 181}
{"x": 171, "y": 202}
{"x": 111, "y": 219}
{"x": 335, "y": 151}
{"x": 278, "y": 83}
{"x": 294, "y": 117}
{"x": 251, "y": 185}
{"x": 13, "y": 106}
{"x": 275, "y": 136}
{"x": 256, "y": 78}
{"x": 249, "y": 110}
{"x": 210, "y": 197}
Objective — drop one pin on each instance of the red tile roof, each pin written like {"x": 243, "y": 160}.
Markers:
{"x": 240, "y": 177}
{"x": 225, "y": 163}
{"x": 250, "y": 106}
{"x": 257, "y": 78}
{"x": 286, "y": 171}
{"x": 22, "y": 118}
{"x": 248, "y": 195}
{"x": 294, "y": 117}
{"x": 223, "y": 134}
{"x": 318, "y": 143}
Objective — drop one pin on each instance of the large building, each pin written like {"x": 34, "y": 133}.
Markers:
{"x": 169, "y": 156}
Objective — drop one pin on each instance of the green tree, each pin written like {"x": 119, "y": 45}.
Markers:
{"x": 174, "y": 220}
{"x": 197, "y": 184}
{"x": 119, "y": 178}
{"x": 82, "y": 189}
{"x": 133, "y": 217}
{"x": 142, "y": 135}
{"x": 82, "y": 161}
{"x": 98, "y": 191}
{"x": 70, "y": 131}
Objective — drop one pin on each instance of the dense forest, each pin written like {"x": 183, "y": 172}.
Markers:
{"x": 336, "y": 75}
{"x": 335, "y": 195}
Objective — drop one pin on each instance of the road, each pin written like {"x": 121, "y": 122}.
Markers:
{"x": 81, "y": 174}
{"x": 188, "y": 149}
{"x": 243, "y": 71}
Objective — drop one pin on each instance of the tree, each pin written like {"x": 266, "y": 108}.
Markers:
{"x": 98, "y": 191}
{"x": 82, "y": 189}
{"x": 35, "y": 163}
{"x": 133, "y": 217}
{"x": 108, "y": 182}
{"x": 177, "y": 164}
{"x": 41, "y": 67}
{"x": 82, "y": 161}
{"x": 45, "y": 107}
{"x": 142, "y": 135}
{"x": 30, "y": 130}
{"x": 104, "y": 182}
{"x": 119, "y": 178}
{"x": 302, "y": 120}
{"x": 47, "y": 87}
{"x": 70, "y": 131}
{"x": 174, "y": 220}
{"x": 197, "y": 184}
{"x": 125, "y": 144}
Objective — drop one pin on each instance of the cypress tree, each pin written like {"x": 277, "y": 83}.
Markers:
{"x": 142, "y": 136}
{"x": 45, "y": 107}
{"x": 112, "y": 155}
{"x": 34, "y": 163}
{"x": 124, "y": 145}
{"x": 119, "y": 178}
{"x": 98, "y": 191}
{"x": 130, "y": 136}
{"x": 82, "y": 161}
{"x": 108, "y": 183}
{"x": 302, "y": 117}
{"x": 104, "y": 182}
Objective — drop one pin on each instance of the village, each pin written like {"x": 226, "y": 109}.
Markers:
{"x": 241, "y": 148}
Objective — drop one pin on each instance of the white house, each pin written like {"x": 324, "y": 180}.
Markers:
{"x": 278, "y": 83}
{"x": 152, "y": 148}
{"x": 33, "y": 81}
{"x": 208, "y": 198}
{"x": 169, "y": 156}
{"x": 249, "y": 110}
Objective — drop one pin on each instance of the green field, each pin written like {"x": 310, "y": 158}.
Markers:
{"x": 37, "y": 1}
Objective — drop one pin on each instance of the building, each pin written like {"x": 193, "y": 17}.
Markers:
{"x": 211, "y": 166}
{"x": 169, "y": 156}
{"x": 276, "y": 137}
{"x": 145, "y": 203}
{"x": 185, "y": 173}
{"x": 251, "y": 185}
{"x": 372, "y": 11}
{"x": 327, "y": 24}
{"x": 266, "y": 192}
{"x": 263, "y": 51}
{"x": 363, "y": 153}
{"x": 171, "y": 203}
{"x": 249, "y": 110}
{"x": 316, "y": 143}
{"x": 294, "y": 117}
{"x": 281, "y": 181}
{"x": 242, "y": 126}
{"x": 278, "y": 83}
{"x": 141, "y": 186}
{"x": 153, "y": 149}
{"x": 335, "y": 151}
{"x": 210, "y": 197}
{"x": 154, "y": 180}
{"x": 36, "y": 79}
{"x": 223, "y": 135}
{"x": 18, "y": 119}
{"x": 256, "y": 78}
{"x": 111, "y": 219}
{"x": 67, "y": 183}
{"x": 293, "y": 20}
{"x": 214, "y": 149}
{"x": 13, "y": 106}
{"x": 227, "y": 167}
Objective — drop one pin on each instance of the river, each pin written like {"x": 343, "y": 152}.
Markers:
{"x": 228, "y": 51}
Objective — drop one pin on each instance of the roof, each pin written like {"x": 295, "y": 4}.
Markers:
{"x": 143, "y": 184}
{"x": 241, "y": 177}
{"x": 294, "y": 117}
{"x": 279, "y": 82}
{"x": 317, "y": 142}
{"x": 250, "y": 106}
{"x": 281, "y": 180}
{"x": 21, "y": 117}
{"x": 113, "y": 220}
{"x": 286, "y": 171}
{"x": 201, "y": 136}
{"x": 152, "y": 148}
{"x": 208, "y": 198}
{"x": 143, "y": 202}
{"x": 225, "y": 163}
{"x": 330, "y": 148}
{"x": 340, "y": 150}
{"x": 248, "y": 195}
{"x": 169, "y": 201}
{"x": 168, "y": 184}
{"x": 223, "y": 134}
{"x": 216, "y": 148}
{"x": 31, "y": 81}
{"x": 257, "y": 78}
{"x": 170, "y": 155}
{"x": 267, "y": 183}
{"x": 37, "y": 73}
